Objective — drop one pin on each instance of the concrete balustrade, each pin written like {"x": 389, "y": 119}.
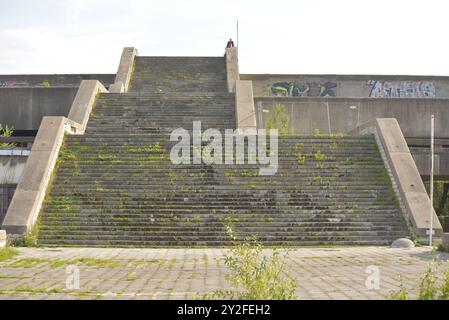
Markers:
{"x": 245, "y": 113}
{"x": 31, "y": 189}
{"x": 405, "y": 175}
{"x": 232, "y": 68}
{"x": 83, "y": 102}
{"x": 124, "y": 72}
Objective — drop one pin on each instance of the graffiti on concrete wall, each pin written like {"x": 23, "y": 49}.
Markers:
{"x": 11, "y": 84}
{"x": 404, "y": 89}
{"x": 304, "y": 89}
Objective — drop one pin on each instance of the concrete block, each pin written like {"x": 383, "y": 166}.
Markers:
{"x": 49, "y": 130}
{"x": 36, "y": 169}
{"x": 232, "y": 67}
{"x": 20, "y": 215}
{"x": 117, "y": 87}
{"x": 405, "y": 170}
{"x": 244, "y": 104}
{"x": 392, "y": 141}
{"x": 417, "y": 204}
{"x": 84, "y": 100}
{"x": 126, "y": 67}
{"x": 2, "y": 238}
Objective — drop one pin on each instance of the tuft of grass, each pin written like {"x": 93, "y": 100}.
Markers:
{"x": 428, "y": 290}
{"x": 7, "y": 253}
{"x": 256, "y": 275}
{"x": 6, "y": 131}
{"x": 278, "y": 120}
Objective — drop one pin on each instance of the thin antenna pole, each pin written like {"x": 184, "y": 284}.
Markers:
{"x": 432, "y": 129}
{"x": 237, "y": 42}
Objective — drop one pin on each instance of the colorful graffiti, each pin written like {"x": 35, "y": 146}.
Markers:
{"x": 401, "y": 89}
{"x": 9, "y": 84}
{"x": 305, "y": 89}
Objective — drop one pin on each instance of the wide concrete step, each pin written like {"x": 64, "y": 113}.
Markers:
{"x": 209, "y": 244}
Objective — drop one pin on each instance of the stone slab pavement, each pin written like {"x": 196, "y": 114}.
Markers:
{"x": 119, "y": 273}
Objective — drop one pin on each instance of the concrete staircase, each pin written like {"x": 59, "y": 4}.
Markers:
{"x": 116, "y": 186}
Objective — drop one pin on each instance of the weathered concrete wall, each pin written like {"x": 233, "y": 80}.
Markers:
{"x": 349, "y": 86}
{"x": 11, "y": 168}
{"x": 344, "y": 115}
{"x": 54, "y": 80}
{"x": 421, "y": 155}
{"x": 24, "y": 108}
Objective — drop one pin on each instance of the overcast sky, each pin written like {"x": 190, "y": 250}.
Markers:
{"x": 277, "y": 36}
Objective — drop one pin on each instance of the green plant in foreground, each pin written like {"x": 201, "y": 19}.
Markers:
{"x": 5, "y": 132}
{"x": 278, "y": 120}
{"x": 7, "y": 253}
{"x": 428, "y": 290}
{"x": 256, "y": 275}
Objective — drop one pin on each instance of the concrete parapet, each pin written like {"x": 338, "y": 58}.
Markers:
{"x": 30, "y": 191}
{"x": 32, "y": 186}
{"x": 232, "y": 67}
{"x": 124, "y": 71}
{"x": 117, "y": 87}
{"x": 83, "y": 102}
{"x": 244, "y": 104}
{"x": 405, "y": 174}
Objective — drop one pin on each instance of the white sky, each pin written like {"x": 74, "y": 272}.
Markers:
{"x": 277, "y": 36}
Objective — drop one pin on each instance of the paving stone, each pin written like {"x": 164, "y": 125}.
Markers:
{"x": 317, "y": 278}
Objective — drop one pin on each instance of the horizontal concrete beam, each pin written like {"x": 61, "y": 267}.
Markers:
{"x": 125, "y": 69}
{"x": 405, "y": 175}
{"x": 232, "y": 67}
{"x": 32, "y": 186}
{"x": 244, "y": 105}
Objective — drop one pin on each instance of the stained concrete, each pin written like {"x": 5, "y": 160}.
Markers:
{"x": 245, "y": 115}
{"x": 52, "y": 80}
{"x": 11, "y": 168}
{"x": 24, "y": 108}
{"x": 346, "y": 86}
{"x": 232, "y": 67}
{"x": 84, "y": 100}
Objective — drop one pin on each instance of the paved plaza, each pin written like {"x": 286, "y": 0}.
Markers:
{"x": 115, "y": 273}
